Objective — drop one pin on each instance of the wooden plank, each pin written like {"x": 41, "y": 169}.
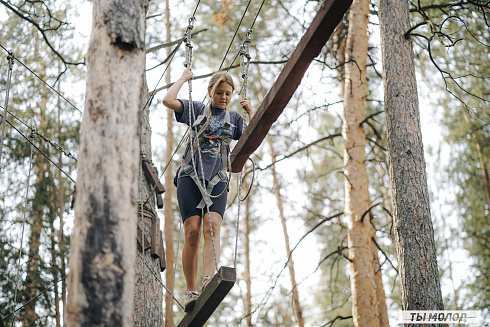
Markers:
{"x": 152, "y": 174}
{"x": 156, "y": 236}
{"x": 159, "y": 201}
{"x": 161, "y": 254}
{"x": 310, "y": 45}
{"x": 139, "y": 236}
{"x": 209, "y": 300}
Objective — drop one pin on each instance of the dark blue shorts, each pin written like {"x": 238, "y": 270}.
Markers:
{"x": 189, "y": 196}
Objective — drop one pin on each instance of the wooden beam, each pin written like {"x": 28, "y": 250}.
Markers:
{"x": 156, "y": 235}
{"x": 309, "y": 47}
{"x": 209, "y": 300}
{"x": 161, "y": 255}
{"x": 152, "y": 175}
{"x": 139, "y": 238}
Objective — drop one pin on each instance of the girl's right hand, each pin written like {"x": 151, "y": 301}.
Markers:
{"x": 187, "y": 75}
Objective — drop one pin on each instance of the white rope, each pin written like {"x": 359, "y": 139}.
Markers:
{"x": 244, "y": 65}
{"x": 10, "y": 59}
{"x": 195, "y": 141}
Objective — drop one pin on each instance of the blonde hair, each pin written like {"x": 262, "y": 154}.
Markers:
{"x": 216, "y": 79}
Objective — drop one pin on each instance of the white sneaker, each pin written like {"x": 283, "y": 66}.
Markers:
{"x": 190, "y": 300}
{"x": 205, "y": 282}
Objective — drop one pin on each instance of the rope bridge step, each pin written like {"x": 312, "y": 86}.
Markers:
{"x": 208, "y": 301}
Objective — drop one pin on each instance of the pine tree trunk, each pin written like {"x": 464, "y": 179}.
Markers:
{"x": 420, "y": 287}
{"x": 169, "y": 187}
{"x": 103, "y": 246}
{"x": 298, "y": 311}
{"x": 483, "y": 162}
{"x": 148, "y": 295}
{"x": 32, "y": 282}
{"x": 360, "y": 231}
{"x": 54, "y": 266}
{"x": 246, "y": 273}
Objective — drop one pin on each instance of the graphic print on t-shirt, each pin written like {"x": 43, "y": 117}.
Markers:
{"x": 215, "y": 127}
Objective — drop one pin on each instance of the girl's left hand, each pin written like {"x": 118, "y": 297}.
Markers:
{"x": 247, "y": 105}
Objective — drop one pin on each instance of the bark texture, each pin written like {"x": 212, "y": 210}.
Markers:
{"x": 360, "y": 231}
{"x": 414, "y": 234}
{"x": 148, "y": 293}
{"x": 33, "y": 277}
{"x": 103, "y": 246}
{"x": 169, "y": 187}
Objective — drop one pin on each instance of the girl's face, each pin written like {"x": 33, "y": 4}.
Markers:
{"x": 222, "y": 97}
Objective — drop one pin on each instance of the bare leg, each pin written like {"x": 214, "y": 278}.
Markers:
{"x": 208, "y": 254}
{"x": 192, "y": 231}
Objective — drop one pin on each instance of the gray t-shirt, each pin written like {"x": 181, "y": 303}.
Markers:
{"x": 211, "y": 163}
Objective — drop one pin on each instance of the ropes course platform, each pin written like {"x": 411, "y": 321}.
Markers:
{"x": 208, "y": 301}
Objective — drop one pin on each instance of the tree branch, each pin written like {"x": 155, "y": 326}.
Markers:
{"x": 328, "y": 137}
{"x": 42, "y": 31}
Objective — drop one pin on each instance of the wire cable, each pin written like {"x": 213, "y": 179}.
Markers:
{"x": 234, "y": 35}
{"x": 10, "y": 59}
{"x": 36, "y": 75}
{"x": 38, "y": 295}
{"x": 55, "y": 145}
{"x": 37, "y": 148}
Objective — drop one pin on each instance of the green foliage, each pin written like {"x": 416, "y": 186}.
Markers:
{"x": 33, "y": 250}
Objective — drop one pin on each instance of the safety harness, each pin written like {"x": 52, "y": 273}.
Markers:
{"x": 222, "y": 142}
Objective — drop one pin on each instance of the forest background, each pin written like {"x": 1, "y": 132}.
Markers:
{"x": 451, "y": 44}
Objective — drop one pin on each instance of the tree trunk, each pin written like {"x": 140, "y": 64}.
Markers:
{"x": 298, "y": 311}
{"x": 414, "y": 234}
{"x": 148, "y": 295}
{"x": 31, "y": 284}
{"x": 169, "y": 187}
{"x": 55, "y": 272}
{"x": 359, "y": 229}
{"x": 483, "y": 162}
{"x": 103, "y": 246}
{"x": 246, "y": 236}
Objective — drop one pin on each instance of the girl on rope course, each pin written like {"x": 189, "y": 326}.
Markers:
{"x": 206, "y": 159}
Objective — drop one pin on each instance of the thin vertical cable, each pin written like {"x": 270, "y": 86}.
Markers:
{"x": 10, "y": 59}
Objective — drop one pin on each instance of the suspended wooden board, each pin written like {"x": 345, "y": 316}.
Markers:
{"x": 309, "y": 47}
{"x": 209, "y": 300}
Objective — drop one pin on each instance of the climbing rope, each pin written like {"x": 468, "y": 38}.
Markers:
{"x": 23, "y": 222}
{"x": 244, "y": 65}
{"x": 194, "y": 141}
{"x": 10, "y": 59}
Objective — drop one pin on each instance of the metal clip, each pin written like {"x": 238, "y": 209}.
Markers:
{"x": 10, "y": 58}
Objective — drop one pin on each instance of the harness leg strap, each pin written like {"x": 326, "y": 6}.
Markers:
{"x": 189, "y": 170}
{"x": 212, "y": 183}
